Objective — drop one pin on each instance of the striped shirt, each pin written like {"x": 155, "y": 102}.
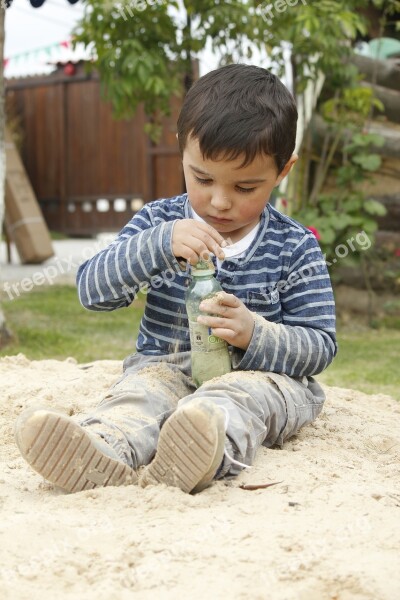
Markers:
{"x": 282, "y": 278}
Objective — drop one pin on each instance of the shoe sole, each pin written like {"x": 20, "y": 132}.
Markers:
{"x": 65, "y": 454}
{"x": 190, "y": 450}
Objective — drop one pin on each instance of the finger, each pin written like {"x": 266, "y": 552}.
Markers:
{"x": 212, "y": 239}
{"x": 222, "y": 299}
{"x": 225, "y": 334}
{"x": 227, "y": 299}
{"x": 213, "y": 322}
{"x": 223, "y": 310}
{"x": 199, "y": 241}
{"x": 213, "y": 233}
{"x": 207, "y": 245}
{"x": 216, "y": 309}
{"x": 190, "y": 255}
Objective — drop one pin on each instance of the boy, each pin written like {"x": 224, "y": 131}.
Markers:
{"x": 236, "y": 133}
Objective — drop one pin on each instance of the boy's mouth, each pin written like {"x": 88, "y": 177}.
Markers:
{"x": 218, "y": 220}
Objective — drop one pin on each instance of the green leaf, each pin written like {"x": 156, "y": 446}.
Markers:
{"x": 341, "y": 221}
{"x": 369, "y": 225}
{"x": 369, "y": 162}
{"x": 378, "y": 104}
{"x": 372, "y": 207}
{"x": 357, "y": 221}
{"x": 346, "y": 174}
{"x": 366, "y": 139}
{"x": 327, "y": 235}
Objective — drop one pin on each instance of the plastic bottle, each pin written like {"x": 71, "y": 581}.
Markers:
{"x": 209, "y": 353}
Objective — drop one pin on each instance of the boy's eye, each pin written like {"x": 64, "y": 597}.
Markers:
{"x": 245, "y": 190}
{"x": 239, "y": 188}
{"x": 202, "y": 181}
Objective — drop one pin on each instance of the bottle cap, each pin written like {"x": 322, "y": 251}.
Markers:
{"x": 204, "y": 265}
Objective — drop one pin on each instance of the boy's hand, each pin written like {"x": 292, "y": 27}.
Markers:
{"x": 192, "y": 240}
{"x": 234, "y": 323}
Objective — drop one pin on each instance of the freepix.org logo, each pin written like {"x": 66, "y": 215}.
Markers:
{"x": 139, "y": 5}
{"x": 268, "y": 11}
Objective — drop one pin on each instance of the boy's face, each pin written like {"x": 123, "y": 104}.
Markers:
{"x": 228, "y": 197}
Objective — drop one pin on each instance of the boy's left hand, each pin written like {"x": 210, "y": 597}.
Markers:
{"x": 231, "y": 320}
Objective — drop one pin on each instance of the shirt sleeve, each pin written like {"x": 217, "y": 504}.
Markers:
{"x": 304, "y": 343}
{"x": 113, "y": 277}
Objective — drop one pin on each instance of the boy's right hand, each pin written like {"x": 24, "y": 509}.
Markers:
{"x": 192, "y": 240}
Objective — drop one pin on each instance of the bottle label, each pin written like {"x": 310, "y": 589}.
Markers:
{"x": 202, "y": 339}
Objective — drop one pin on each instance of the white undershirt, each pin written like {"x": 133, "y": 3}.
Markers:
{"x": 237, "y": 249}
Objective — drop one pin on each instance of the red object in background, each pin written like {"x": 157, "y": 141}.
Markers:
{"x": 315, "y": 232}
{"x": 397, "y": 252}
{"x": 69, "y": 69}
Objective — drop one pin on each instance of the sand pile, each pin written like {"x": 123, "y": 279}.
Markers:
{"x": 329, "y": 530}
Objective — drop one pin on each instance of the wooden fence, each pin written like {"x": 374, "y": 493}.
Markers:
{"x": 90, "y": 172}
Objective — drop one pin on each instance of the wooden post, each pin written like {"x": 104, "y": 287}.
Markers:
{"x": 63, "y": 155}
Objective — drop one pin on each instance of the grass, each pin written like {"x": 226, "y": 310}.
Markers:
{"x": 368, "y": 360}
{"x": 57, "y": 235}
{"x": 50, "y": 323}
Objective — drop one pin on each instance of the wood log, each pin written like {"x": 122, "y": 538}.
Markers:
{"x": 352, "y": 298}
{"x": 388, "y": 192}
{"x": 389, "y": 131}
{"x": 390, "y": 100}
{"x": 385, "y": 73}
{"x": 388, "y": 239}
{"x": 391, "y": 221}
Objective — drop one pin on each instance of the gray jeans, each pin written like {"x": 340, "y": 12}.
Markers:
{"x": 260, "y": 408}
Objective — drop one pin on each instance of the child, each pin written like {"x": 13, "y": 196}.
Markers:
{"x": 236, "y": 133}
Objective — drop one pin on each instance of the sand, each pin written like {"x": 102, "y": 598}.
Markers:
{"x": 329, "y": 530}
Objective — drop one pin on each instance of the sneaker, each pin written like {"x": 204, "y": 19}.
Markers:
{"x": 67, "y": 454}
{"x": 190, "y": 448}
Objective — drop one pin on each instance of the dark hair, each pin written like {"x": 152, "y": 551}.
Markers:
{"x": 240, "y": 110}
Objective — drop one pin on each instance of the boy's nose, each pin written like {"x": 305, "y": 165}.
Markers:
{"x": 220, "y": 201}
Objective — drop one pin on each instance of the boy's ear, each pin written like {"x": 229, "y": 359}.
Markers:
{"x": 287, "y": 168}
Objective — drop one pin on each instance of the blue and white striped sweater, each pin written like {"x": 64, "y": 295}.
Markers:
{"x": 282, "y": 278}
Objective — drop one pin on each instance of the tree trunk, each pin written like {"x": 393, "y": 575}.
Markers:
{"x": 390, "y": 221}
{"x": 390, "y": 100}
{"x": 385, "y": 72}
{"x": 389, "y": 131}
{"x": 5, "y": 335}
